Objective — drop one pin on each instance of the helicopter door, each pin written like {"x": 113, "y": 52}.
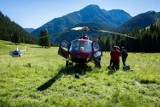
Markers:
{"x": 64, "y": 48}
{"x": 96, "y": 49}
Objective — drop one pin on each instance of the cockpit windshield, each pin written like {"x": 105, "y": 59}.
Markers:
{"x": 81, "y": 45}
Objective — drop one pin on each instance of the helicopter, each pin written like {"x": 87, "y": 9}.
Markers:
{"x": 17, "y": 53}
{"x": 83, "y": 50}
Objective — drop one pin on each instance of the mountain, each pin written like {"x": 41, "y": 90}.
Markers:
{"x": 138, "y": 22}
{"x": 119, "y": 16}
{"x": 29, "y": 30}
{"x": 10, "y": 31}
{"x": 91, "y": 13}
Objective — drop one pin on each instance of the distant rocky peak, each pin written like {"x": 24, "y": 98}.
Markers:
{"x": 90, "y": 11}
{"x": 91, "y": 7}
{"x": 151, "y": 12}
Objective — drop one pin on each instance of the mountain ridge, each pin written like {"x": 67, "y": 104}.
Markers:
{"x": 138, "y": 22}
{"x": 29, "y": 30}
{"x": 90, "y": 13}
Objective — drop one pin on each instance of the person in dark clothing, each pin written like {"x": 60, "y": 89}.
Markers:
{"x": 124, "y": 56}
{"x": 115, "y": 58}
{"x": 98, "y": 53}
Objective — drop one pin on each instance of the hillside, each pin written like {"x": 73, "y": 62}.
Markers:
{"x": 71, "y": 35}
{"x": 147, "y": 39}
{"x": 91, "y": 13}
{"x": 138, "y": 22}
{"x": 9, "y": 29}
{"x": 39, "y": 79}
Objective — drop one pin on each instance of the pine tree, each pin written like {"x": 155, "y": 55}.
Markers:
{"x": 16, "y": 37}
{"x": 43, "y": 40}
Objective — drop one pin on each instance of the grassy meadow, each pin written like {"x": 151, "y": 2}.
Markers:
{"x": 39, "y": 79}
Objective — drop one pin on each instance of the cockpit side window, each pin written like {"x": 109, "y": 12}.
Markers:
{"x": 65, "y": 45}
{"x": 74, "y": 45}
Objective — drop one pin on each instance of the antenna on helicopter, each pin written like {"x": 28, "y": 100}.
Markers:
{"x": 84, "y": 36}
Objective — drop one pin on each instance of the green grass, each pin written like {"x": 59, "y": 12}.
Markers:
{"x": 39, "y": 79}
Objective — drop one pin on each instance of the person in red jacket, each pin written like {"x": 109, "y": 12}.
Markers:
{"x": 115, "y": 58}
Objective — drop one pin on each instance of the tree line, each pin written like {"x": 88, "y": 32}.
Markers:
{"x": 147, "y": 40}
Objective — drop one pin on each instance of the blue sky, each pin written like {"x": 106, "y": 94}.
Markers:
{"x": 35, "y": 13}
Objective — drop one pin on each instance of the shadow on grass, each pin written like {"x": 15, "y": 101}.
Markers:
{"x": 78, "y": 68}
{"x": 111, "y": 72}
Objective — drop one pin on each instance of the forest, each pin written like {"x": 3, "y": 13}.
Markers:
{"x": 10, "y": 31}
{"x": 147, "y": 40}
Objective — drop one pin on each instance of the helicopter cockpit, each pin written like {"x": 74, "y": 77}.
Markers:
{"x": 81, "y": 45}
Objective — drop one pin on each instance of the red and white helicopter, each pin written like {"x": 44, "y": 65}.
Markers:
{"x": 83, "y": 50}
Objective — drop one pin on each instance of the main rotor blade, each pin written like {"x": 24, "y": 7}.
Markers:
{"x": 85, "y": 28}
{"x": 55, "y": 33}
{"x": 77, "y": 28}
{"x": 116, "y": 33}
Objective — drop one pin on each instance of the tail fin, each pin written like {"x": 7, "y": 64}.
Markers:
{"x": 23, "y": 50}
{"x": 17, "y": 48}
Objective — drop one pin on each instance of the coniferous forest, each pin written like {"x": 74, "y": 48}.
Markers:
{"x": 147, "y": 40}
{"x": 10, "y": 31}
